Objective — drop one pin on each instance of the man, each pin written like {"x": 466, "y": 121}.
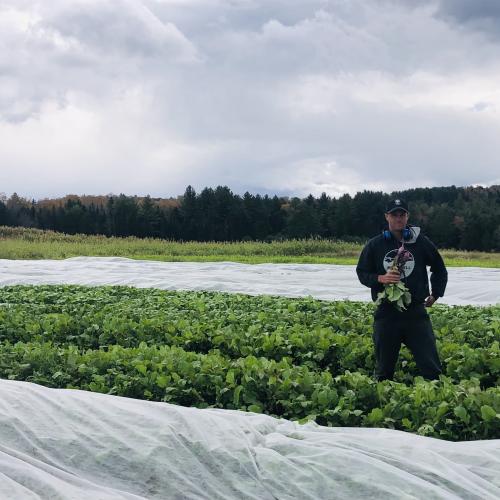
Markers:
{"x": 411, "y": 326}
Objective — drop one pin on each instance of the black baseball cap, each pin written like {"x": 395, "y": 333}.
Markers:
{"x": 396, "y": 204}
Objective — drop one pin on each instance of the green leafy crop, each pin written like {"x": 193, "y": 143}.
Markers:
{"x": 301, "y": 359}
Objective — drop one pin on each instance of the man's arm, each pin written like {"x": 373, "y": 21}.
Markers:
{"x": 365, "y": 269}
{"x": 439, "y": 274}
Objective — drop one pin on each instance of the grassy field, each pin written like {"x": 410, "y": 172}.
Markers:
{"x": 21, "y": 243}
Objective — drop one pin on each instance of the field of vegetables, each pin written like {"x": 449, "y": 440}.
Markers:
{"x": 294, "y": 358}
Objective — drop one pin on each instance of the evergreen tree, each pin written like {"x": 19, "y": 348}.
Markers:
{"x": 3, "y": 214}
{"x": 189, "y": 213}
{"x": 123, "y": 216}
{"x": 367, "y": 212}
{"x": 323, "y": 207}
{"x": 442, "y": 228}
{"x": 148, "y": 218}
{"x": 341, "y": 222}
{"x": 303, "y": 220}
{"x": 207, "y": 208}
{"x": 19, "y": 211}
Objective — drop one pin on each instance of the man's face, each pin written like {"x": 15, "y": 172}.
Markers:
{"x": 397, "y": 220}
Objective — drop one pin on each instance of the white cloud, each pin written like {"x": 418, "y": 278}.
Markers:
{"x": 76, "y": 144}
{"x": 326, "y": 94}
{"x": 96, "y": 47}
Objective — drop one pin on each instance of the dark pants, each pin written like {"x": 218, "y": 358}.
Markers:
{"x": 413, "y": 328}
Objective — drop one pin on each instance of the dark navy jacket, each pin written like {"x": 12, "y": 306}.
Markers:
{"x": 378, "y": 254}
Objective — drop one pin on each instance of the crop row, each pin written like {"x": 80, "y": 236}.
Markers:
{"x": 295, "y": 358}
{"x": 161, "y": 373}
{"x": 334, "y": 336}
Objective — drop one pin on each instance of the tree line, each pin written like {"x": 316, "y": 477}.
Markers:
{"x": 453, "y": 217}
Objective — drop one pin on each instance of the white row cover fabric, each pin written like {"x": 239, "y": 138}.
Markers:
{"x": 466, "y": 286}
{"x": 69, "y": 444}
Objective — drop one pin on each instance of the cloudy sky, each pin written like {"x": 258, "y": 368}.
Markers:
{"x": 271, "y": 96}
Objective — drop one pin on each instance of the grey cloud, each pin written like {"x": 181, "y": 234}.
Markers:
{"x": 479, "y": 15}
{"x": 467, "y": 11}
{"x": 199, "y": 18}
{"x": 120, "y": 26}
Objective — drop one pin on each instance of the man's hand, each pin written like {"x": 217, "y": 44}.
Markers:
{"x": 429, "y": 301}
{"x": 389, "y": 277}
